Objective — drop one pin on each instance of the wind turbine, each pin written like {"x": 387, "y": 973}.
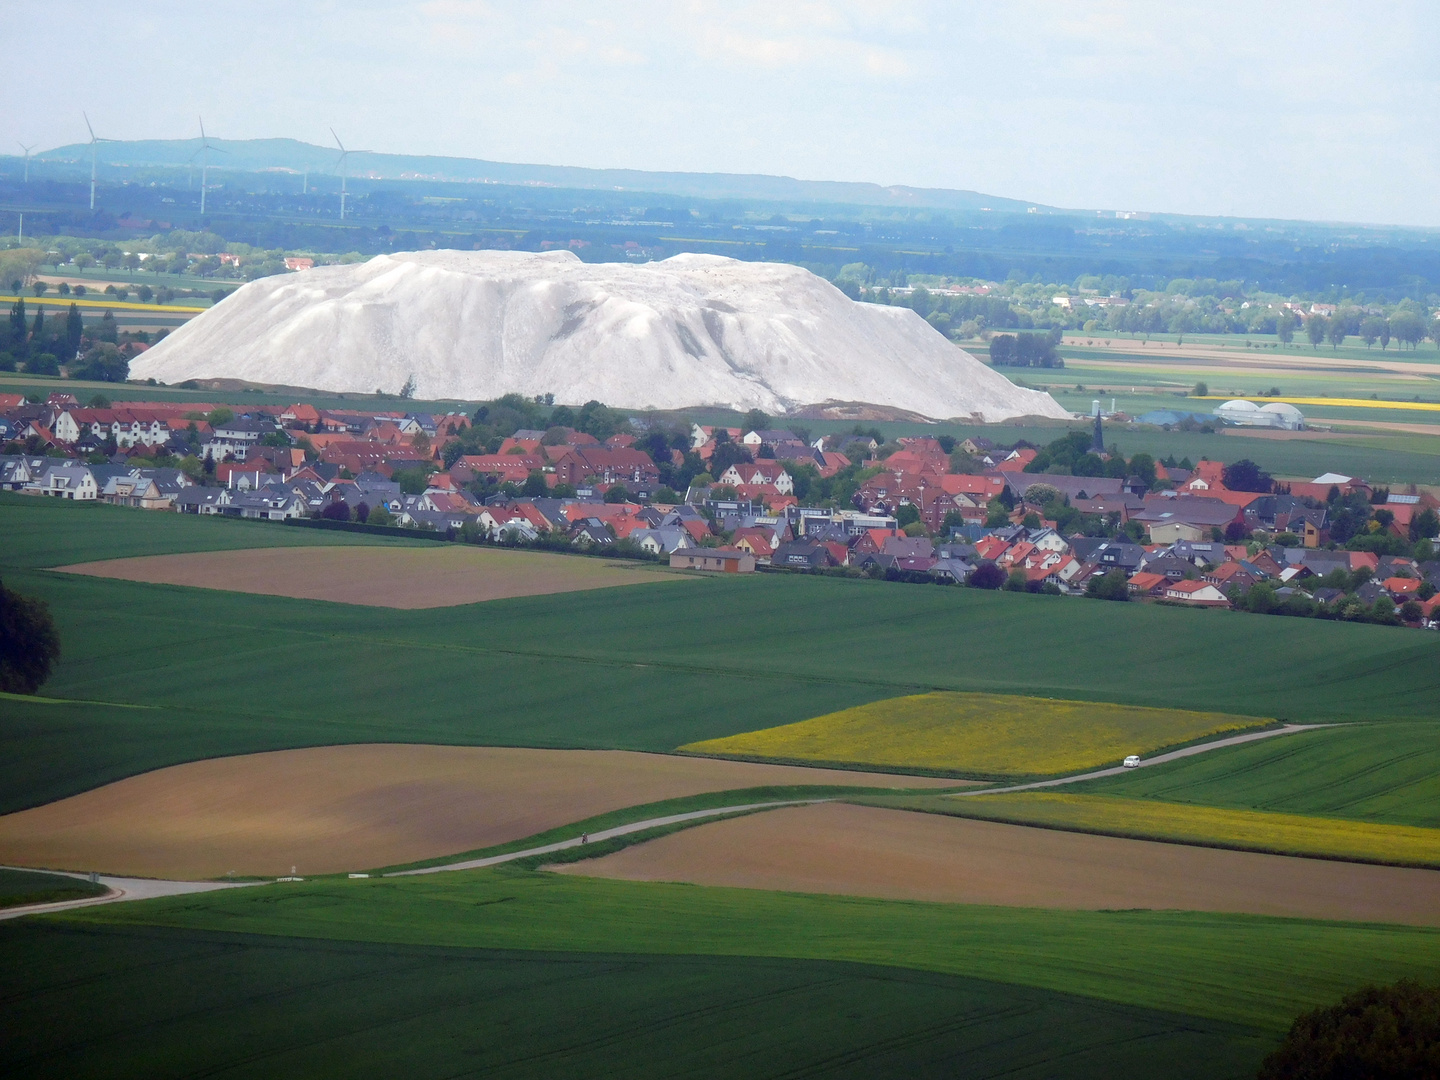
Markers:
{"x": 94, "y": 144}
{"x": 205, "y": 149}
{"x": 340, "y": 164}
{"x": 27, "y": 150}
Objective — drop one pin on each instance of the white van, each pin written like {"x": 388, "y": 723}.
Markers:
{"x": 1133, "y": 761}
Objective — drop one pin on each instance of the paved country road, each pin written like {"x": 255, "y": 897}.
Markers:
{"x": 605, "y": 834}
{"x": 121, "y": 888}
{"x": 146, "y": 888}
{"x": 1173, "y": 755}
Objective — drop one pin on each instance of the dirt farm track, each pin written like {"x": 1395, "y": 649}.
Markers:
{"x": 397, "y": 577}
{"x": 343, "y": 808}
{"x": 897, "y": 854}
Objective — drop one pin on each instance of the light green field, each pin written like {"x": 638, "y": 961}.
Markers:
{"x": 1363, "y": 772}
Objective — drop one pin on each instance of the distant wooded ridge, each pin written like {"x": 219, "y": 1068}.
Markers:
{"x": 261, "y": 155}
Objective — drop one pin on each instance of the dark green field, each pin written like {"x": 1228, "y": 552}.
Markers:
{"x": 646, "y": 669}
{"x": 23, "y": 887}
{"x": 113, "y": 1002}
{"x": 1388, "y": 773}
{"x": 1241, "y": 969}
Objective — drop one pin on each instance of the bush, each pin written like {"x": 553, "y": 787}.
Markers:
{"x": 29, "y": 644}
{"x": 102, "y": 363}
{"x": 1111, "y": 586}
{"x": 1379, "y": 1033}
{"x": 986, "y": 576}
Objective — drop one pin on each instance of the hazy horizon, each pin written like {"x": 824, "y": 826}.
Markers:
{"x": 1315, "y": 112}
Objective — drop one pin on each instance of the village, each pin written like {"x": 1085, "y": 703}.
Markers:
{"x": 919, "y": 509}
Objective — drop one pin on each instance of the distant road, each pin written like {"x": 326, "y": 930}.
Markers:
{"x": 1173, "y": 755}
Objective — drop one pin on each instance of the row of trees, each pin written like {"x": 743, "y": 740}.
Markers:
{"x": 1026, "y": 350}
{"x": 42, "y": 345}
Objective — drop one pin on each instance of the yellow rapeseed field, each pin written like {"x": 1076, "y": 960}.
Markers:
{"x": 981, "y": 734}
{"x": 1262, "y": 830}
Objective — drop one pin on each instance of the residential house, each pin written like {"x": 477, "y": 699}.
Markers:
{"x": 662, "y": 541}
{"x": 135, "y": 489}
{"x": 18, "y": 472}
{"x": 1170, "y": 519}
{"x": 67, "y": 481}
{"x": 606, "y": 466}
{"x": 717, "y": 560}
{"x": 1238, "y": 576}
{"x": 759, "y": 472}
{"x": 201, "y": 500}
{"x": 1071, "y": 487}
{"x": 1196, "y": 594}
{"x": 272, "y": 503}
{"x": 804, "y": 553}
{"x": 1148, "y": 584}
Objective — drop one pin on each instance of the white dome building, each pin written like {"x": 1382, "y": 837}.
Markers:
{"x": 1285, "y": 415}
{"x": 1240, "y": 412}
{"x": 1277, "y": 414}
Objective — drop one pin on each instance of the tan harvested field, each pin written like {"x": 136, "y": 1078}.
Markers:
{"x": 1383, "y": 425}
{"x": 898, "y": 854}
{"x": 1250, "y": 359}
{"x": 396, "y": 577}
{"x": 1278, "y": 435}
{"x": 342, "y": 808}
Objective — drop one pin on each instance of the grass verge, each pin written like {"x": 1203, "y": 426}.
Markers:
{"x": 19, "y": 887}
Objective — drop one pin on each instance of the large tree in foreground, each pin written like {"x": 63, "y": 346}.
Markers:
{"x": 28, "y": 642}
{"x": 1378, "y": 1033}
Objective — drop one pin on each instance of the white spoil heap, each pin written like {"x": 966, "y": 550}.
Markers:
{"x": 691, "y": 330}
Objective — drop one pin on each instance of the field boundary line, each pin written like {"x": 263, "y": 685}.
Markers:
{"x": 603, "y": 835}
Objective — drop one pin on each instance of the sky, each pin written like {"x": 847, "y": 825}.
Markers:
{"x": 1317, "y": 110}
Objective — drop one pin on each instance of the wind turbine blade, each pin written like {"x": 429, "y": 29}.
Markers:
{"x": 202, "y": 127}
{"x": 338, "y": 142}
{"x": 87, "y": 125}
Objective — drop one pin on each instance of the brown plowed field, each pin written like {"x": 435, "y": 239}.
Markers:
{"x": 339, "y": 808}
{"x": 397, "y": 577}
{"x": 896, "y": 854}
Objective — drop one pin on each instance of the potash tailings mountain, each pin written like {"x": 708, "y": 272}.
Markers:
{"x": 691, "y": 330}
